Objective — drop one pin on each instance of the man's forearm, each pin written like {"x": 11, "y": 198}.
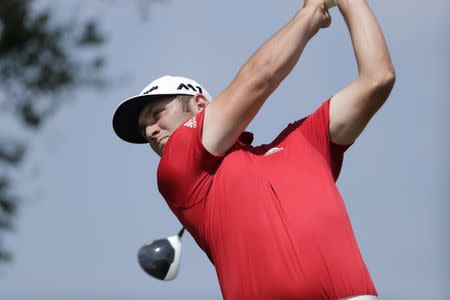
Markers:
{"x": 352, "y": 107}
{"x": 230, "y": 113}
{"x": 370, "y": 48}
{"x": 273, "y": 61}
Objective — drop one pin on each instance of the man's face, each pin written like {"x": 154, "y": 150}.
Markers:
{"x": 159, "y": 119}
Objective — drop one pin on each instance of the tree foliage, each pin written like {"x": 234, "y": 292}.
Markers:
{"x": 39, "y": 59}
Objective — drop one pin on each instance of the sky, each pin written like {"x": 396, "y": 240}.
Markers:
{"x": 90, "y": 200}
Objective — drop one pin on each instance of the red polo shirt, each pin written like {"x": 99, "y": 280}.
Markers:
{"x": 270, "y": 218}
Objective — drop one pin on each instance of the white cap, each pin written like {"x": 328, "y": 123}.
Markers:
{"x": 125, "y": 119}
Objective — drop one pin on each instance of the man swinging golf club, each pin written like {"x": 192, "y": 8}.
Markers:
{"x": 270, "y": 218}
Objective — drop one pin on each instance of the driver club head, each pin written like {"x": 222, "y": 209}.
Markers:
{"x": 161, "y": 258}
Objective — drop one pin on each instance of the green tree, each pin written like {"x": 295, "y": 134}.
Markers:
{"x": 39, "y": 59}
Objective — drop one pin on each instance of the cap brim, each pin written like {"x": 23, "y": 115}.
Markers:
{"x": 125, "y": 119}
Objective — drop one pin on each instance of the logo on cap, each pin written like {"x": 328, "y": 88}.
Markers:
{"x": 190, "y": 87}
{"x": 150, "y": 90}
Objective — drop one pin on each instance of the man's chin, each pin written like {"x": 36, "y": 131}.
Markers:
{"x": 158, "y": 150}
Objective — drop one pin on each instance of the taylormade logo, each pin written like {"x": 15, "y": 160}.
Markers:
{"x": 150, "y": 90}
{"x": 181, "y": 87}
{"x": 189, "y": 86}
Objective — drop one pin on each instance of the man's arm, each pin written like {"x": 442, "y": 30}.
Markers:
{"x": 230, "y": 113}
{"x": 353, "y": 107}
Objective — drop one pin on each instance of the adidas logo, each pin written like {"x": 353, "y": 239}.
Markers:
{"x": 273, "y": 150}
{"x": 192, "y": 123}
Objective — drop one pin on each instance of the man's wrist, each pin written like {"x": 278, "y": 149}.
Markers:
{"x": 330, "y": 3}
{"x": 346, "y": 7}
{"x": 311, "y": 14}
{"x": 347, "y": 3}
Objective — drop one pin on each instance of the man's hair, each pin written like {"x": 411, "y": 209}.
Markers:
{"x": 185, "y": 100}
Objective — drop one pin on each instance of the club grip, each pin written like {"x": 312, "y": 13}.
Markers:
{"x": 330, "y": 3}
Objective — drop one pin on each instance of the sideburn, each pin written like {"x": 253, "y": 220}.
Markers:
{"x": 185, "y": 101}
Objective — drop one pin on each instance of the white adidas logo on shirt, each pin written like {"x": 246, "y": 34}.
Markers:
{"x": 273, "y": 150}
{"x": 192, "y": 123}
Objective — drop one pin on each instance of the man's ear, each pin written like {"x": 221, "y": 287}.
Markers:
{"x": 199, "y": 103}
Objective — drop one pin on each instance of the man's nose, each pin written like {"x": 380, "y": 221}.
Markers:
{"x": 152, "y": 131}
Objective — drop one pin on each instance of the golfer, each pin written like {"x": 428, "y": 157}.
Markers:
{"x": 269, "y": 217}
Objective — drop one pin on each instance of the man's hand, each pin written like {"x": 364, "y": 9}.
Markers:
{"x": 321, "y": 12}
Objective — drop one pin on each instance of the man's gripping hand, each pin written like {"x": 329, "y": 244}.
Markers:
{"x": 320, "y": 11}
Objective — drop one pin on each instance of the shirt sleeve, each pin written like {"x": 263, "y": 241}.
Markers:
{"x": 316, "y": 129}
{"x": 186, "y": 168}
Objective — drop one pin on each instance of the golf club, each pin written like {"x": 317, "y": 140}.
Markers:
{"x": 330, "y": 3}
{"x": 161, "y": 258}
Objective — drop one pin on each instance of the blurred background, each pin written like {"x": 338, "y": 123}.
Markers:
{"x": 76, "y": 203}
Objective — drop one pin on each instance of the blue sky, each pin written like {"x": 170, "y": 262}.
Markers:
{"x": 90, "y": 200}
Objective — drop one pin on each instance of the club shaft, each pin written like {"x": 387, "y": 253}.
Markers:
{"x": 180, "y": 234}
